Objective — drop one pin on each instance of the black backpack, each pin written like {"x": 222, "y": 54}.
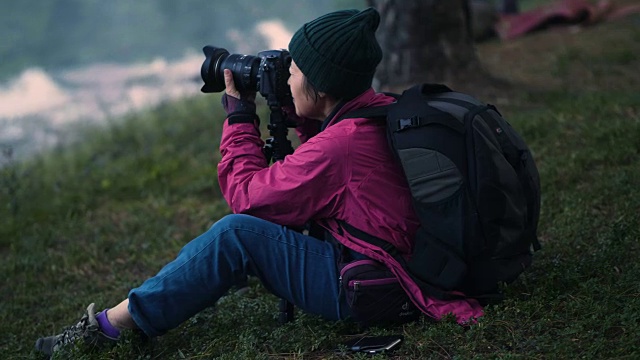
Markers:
{"x": 475, "y": 188}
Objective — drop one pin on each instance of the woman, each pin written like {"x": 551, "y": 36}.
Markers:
{"x": 342, "y": 173}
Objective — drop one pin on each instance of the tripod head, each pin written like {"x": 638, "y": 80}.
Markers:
{"x": 274, "y": 70}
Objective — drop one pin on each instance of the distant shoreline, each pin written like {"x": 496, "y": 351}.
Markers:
{"x": 40, "y": 106}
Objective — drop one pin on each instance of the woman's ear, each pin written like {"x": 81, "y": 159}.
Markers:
{"x": 327, "y": 103}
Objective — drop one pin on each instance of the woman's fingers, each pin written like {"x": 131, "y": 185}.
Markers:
{"x": 230, "y": 86}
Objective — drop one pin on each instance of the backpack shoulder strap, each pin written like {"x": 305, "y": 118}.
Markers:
{"x": 431, "y": 89}
{"x": 412, "y": 101}
{"x": 369, "y": 113}
{"x": 376, "y": 112}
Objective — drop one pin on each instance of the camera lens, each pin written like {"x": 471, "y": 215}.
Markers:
{"x": 243, "y": 67}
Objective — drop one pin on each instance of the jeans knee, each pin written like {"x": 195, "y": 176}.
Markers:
{"x": 233, "y": 221}
{"x": 244, "y": 229}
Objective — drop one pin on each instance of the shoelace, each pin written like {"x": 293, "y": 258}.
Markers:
{"x": 72, "y": 333}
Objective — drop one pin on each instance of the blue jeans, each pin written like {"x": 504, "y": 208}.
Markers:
{"x": 293, "y": 266}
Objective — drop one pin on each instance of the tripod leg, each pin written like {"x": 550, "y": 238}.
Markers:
{"x": 286, "y": 312}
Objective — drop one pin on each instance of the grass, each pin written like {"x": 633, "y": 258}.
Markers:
{"x": 85, "y": 223}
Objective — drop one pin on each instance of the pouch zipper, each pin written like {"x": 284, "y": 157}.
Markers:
{"x": 357, "y": 263}
{"x": 356, "y": 284}
{"x": 349, "y": 266}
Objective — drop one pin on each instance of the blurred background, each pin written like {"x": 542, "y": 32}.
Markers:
{"x": 65, "y": 61}
{"x": 69, "y": 61}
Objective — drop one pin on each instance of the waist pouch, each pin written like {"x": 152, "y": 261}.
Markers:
{"x": 375, "y": 295}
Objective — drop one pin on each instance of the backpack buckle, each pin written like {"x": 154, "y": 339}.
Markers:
{"x": 408, "y": 122}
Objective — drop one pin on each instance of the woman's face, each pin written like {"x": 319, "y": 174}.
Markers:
{"x": 307, "y": 105}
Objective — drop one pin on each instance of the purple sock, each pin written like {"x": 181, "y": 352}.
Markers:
{"x": 105, "y": 326}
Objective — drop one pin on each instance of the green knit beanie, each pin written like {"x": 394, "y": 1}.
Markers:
{"x": 338, "y": 52}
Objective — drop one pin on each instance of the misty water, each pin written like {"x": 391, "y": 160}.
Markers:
{"x": 39, "y": 109}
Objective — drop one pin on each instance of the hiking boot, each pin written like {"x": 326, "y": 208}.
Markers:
{"x": 86, "y": 329}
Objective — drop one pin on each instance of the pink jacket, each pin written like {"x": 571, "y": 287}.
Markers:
{"x": 345, "y": 172}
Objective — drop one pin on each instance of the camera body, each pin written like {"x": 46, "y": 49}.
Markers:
{"x": 266, "y": 73}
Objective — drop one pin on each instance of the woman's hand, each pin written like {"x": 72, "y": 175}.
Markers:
{"x": 230, "y": 86}
{"x": 235, "y": 102}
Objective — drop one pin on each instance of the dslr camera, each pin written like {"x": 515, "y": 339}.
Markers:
{"x": 266, "y": 73}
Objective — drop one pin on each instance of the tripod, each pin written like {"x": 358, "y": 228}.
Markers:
{"x": 275, "y": 149}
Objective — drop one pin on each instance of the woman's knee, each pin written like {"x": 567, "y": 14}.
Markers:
{"x": 233, "y": 221}
{"x": 241, "y": 228}
{"x": 247, "y": 231}
{"x": 221, "y": 231}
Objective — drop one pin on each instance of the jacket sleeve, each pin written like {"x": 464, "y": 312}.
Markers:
{"x": 308, "y": 184}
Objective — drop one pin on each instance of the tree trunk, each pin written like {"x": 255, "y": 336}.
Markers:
{"x": 426, "y": 41}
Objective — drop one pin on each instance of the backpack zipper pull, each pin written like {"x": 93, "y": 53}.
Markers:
{"x": 356, "y": 286}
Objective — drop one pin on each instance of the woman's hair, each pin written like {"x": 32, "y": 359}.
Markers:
{"x": 311, "y": 89}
